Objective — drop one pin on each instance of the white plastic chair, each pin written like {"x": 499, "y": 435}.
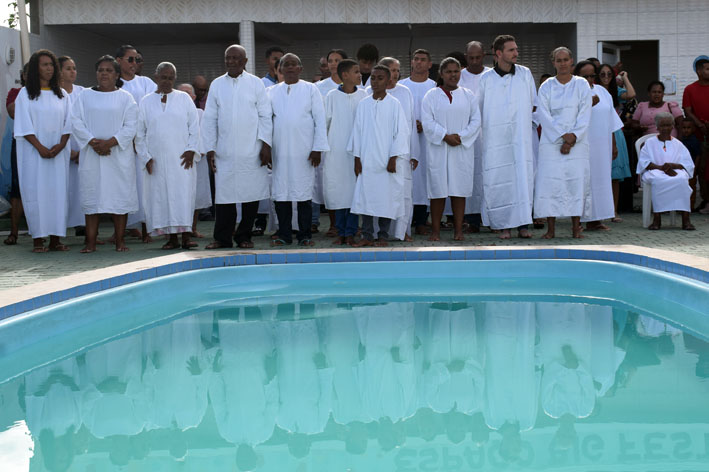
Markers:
{"x": 647, "y": 188}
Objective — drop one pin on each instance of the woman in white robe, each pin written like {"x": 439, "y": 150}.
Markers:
{"x": 75, "y": 216}
{"x": 42, "y": 130}
{"x": 602, "y": 150}
{"x": 104, "y": 120}
{"x": 563, "y": 181}
{"x": 666, "y": 165}
{"x": 451, "y": 122}
{"x": 167, "y": 142}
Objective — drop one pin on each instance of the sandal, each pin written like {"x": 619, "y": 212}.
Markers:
{"x": 257, "y": 232}
{"x": 616, "y": 219}
{"x": 654, "y": 227}
{"x": 332, "y": 232}
{"x": 688, "y": 227}
{"x": 306, "y": 242}
{"x": 39, "y": 249}
{"x": 11, "y": 240}
{"x": 314, "y": 229}
{"x": 216, "y": 245}
{"x": 279, "y": 242}
{"x": 245, "y": 245}
{"x": 58, "y": 248}
{"x": 189, "y": 245}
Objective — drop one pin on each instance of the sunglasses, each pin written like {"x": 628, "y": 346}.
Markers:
{"x": 606, "y": 74}
{"x": 137, "y": 60}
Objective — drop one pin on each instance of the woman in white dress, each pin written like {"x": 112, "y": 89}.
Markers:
{"x": 451, "y": 122}
{"x": 104, "y": 120}
{"x": 563, "y": 182}
{"x": 42, "y": 129}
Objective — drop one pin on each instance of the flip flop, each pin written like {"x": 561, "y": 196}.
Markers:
{"x": 306, "y": 242}
{"x": 246, "y": 245}
{"x": 11, "y": 240}
{"x": 58, "y": 248}
{"x": 279, "y": 242}
{"x": 216, "y": 245}
{"x": 169, "y": 246}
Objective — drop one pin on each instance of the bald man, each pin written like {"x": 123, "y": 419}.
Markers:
{"x": 201, "y": 87}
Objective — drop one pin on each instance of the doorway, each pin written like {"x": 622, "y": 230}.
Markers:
{"x": 640, "y": 59}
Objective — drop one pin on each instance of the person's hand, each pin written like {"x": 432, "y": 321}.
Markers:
{"x": 670, "y": 171}
{"x": 623, "y": 75}
{"x": 44, "y": 152}
{"x": 414, "y": 164}
{"x": 703, "y": 127}
{"x": 595, "y": 100}
{"x": 565, "y": 148}
{"x": 102, "y": 147}
{"x": 265, "y": 155}
{"x": 391, "y": 165}
{"x": 314, "y": 158}
{"x": 570, "y": 139}
{"x": 74, "y": 156}
{"x": 357, "y": 166}
{"x": 615, "y": 152}
{"x": 210, "y": 160}
{"x": 187, "y": 159}
{"x": 56, "y": 149}
{"x": 149, "y": 167}
{"x": 419, "y": 127}
{"x": 193, "y": 366}
{"x": 452, "y": 140}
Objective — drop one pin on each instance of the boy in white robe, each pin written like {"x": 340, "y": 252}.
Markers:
{"x": 338, "y": 173}
{"x": 666, "y": 165}
{"x": 379, "y": 139}
{"x": 299, "y": 137}
{"x": 167, "y": 142}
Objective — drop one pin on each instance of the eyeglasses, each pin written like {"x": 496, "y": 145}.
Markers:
{"x": 591, "y": 76}
{"x": 132, "y": 59}
{"x": 606, "y": 74}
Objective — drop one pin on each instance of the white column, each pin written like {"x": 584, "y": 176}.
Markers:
{"x": 24, "y": 32}
{"x": 247, "y": 40}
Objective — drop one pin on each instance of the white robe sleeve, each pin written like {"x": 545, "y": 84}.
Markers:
{"x": 355, "y": 144}
{"x": 415, "y": 143}
{"x": 141, "y": 145}
{"x": 67, "y": 116}
{"x": 80, "y": 132}
{"x": 193, "y": 141}
{"x": 644, "y": 158}
{"x": 130, "y": 125}
{"x": 433, "y": 131}
{"x": 583, "y": 118}
{"x": 265, "y": 115}
{"x": 543, "y": 113}
{"x": 23, "y": 121}
{"x": 318, "y": 111}
{"x": 471, "y": 132}
{"x": 209, "y": 121}
{"x": 400, "y": 142}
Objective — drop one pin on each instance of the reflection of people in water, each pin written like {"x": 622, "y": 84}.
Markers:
{"x": 57, "y": 452}
{"x": 246, "y": 458}
{"x": 701, "y": 348}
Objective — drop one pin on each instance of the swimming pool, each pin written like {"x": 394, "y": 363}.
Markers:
{"x": 386, "y": 366}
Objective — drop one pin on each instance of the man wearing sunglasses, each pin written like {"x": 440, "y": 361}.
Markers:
{"x": 138, "y": 86}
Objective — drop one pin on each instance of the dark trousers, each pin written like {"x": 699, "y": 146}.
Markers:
{"x": 225, "y": 221}
{"x": 420, "y": 215}
{"x": 284, "y": 212}
{"x": 474, "y": 220}
{"x": 368, "y": 228}
{"x": 346, "y": 222}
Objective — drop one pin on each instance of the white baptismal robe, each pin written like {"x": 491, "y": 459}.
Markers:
{"x": 203, "y": 195}
{"x": 338, "y": 163}
{"x": 138, "y": 87}
{"x": 473, "y": 204}
{"x": 324, "y": 87}
{"x": 606, "y": 357}
{"x": 506, "y": 105}
{"x": 419, "y": 90}
{"x": 668, "y": 193}
{"x": 235, "y": 124}
{"x": 163, "y": 136}
{"x": 604, "y": 122}
{"x": 563, "y": 181}
{"x": 56, "y": 407}
{"x": 43, "y": 182}
{"x": 298, "y": 129}
{"x": 450, "y": 168}
{"x": 380, "y": 132}
{"x": 75, "y": 216}
{"x": 108, "y": 183}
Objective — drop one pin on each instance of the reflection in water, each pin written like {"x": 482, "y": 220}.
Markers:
{"x": 382, "y": 386}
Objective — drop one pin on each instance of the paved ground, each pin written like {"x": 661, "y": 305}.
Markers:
{"x": 19, "y": 266}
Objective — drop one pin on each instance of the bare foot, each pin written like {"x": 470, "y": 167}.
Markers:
{"x": 505, "y": 234}
{"x": 122, "y": 248}
{"x": 408, "y": 238}
{"x": 101, "y": 242}
{"x": 147, "y": 239}
{"x": 548, "y": 235}
{"x": 112, "y": 239}
{"x": 135, "y": 233}
{"x": 39, "y": 249}
{"x": 381, "y": 243}
{"x": 421, "y": 229}
{"x": 350, "y": 241}
{"x": 338, "y": 241}
{"x": 197, "y": 234}
{"x": 88, "y": 250}
{"x": 524, "y": 234}
{"x": 363, "y": 243}
{"x": 458, "y": 236}
{"x": 435, "y": 237}
{"x": 577, "y": 232}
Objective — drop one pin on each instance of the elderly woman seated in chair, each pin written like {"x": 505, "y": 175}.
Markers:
{"x": 666, "y": 165}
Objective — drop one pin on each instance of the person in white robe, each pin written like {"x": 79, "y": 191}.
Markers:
{"x": 380, "y": 140}
{"x": 236, "y": 135}
{"x": 451, "y": 122}
{"x": 666, "y": 165}
{"x": 470, "y": 79}
{"x": 563, "y": 183}
{"x": 419, "y": 84}
{"x": 75, "y": 217}
{"x": 299, "y": 138}
{"x": 402, "y": 225}
{"x": 42, "y": 129}
{"x": 506, "y": 96}
{"x": 138, "y": 86}
{"x": 167, "y": 142}
{"x": 338, "y": 163}
{"x": 104, "y": 123}
{"x": 602, "y": 150}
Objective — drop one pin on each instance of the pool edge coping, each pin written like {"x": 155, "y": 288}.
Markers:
{"x": 19, "y": 300}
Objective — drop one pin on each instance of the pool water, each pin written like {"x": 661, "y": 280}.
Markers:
{"x": 438, "y": 378}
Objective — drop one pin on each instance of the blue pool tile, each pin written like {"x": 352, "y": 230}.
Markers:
{"x": 249, "y": 259}
{"x": 323, "y": 257}
{"x": 263, "y": 258}
{"x": 562, "y": 254}
{"x": 367, "y": 256}
{"x": 520, "y": 254}
{"x": 106, "y": 283}
{"x": 502, "y": 254}
{"x": 339, "y": 256}
{"x": 292, "y": 258}
{"x": 473, "y": 254}
{"x": 458, "y": 255}
{"x": 27, "y": 305}
{"x": 162, "y": 270}
{"x": 353, "y": 256}
{"x": 382, "y": 256}
{"x": 307, "y": 258}
{"x": 547, "y": 254}
{"x": 6, "y": 312}
{"x": 41, "y": 301}
{"x": 428, "y": 255}
{"x": 575, "y": 254}
{"x": 278, "y": 258}
{"x": 397, "y": 255}
{"x": 412, "y": 255}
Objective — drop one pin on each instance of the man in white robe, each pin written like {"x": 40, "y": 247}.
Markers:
{"x": 138, "y": 86}
{"x": 380, "y": 139}
{"x": 666, "y": 165}
{"x": 470, "y": 79}
{"x": 604, "y": 122}
{"x": 338, "y": 163}
{"x": 236, "y": 135}
{"x": 506, "y": 96}
{"x": 167, "y": 142}
{"x": 299, "y": 136}
{"x": 419, "y": 83}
